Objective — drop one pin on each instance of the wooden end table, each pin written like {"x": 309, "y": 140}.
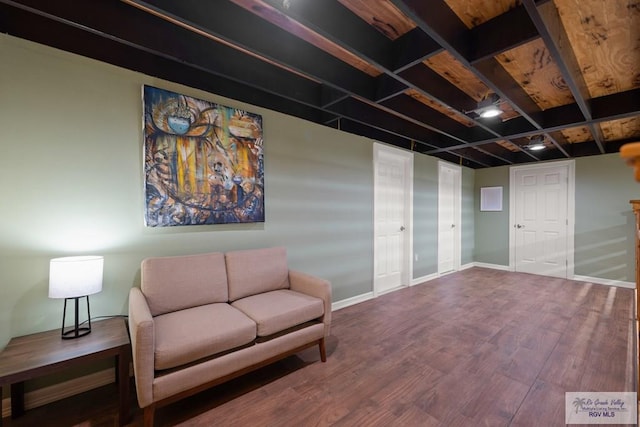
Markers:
{"x": 39, "y": 354}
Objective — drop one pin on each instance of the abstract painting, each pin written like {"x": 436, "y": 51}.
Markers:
{"x": 203, "y": 162}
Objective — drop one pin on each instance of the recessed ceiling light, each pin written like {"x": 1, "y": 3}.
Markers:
{"x": 536, "y": 143}
{"x": 489, "y": 106}
{"x": 491, "y": 111}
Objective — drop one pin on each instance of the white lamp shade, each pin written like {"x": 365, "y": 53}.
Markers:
{"x": 72, "y": 277}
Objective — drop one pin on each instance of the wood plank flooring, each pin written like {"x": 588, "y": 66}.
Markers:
{"x": 475, "y": 348}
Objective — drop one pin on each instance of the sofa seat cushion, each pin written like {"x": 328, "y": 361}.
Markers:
{"x": 278, "y": 310}
{"x": 187, "y": 335}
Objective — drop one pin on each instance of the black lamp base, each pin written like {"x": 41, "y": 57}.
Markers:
{"x": 75, "y": 331}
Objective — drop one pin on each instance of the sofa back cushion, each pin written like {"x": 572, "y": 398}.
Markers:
{"x": 178, "y": 282}
{"x": 255, "y": 271}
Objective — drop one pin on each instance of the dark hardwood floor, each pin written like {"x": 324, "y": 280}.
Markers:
{"x": 475, "y": 348}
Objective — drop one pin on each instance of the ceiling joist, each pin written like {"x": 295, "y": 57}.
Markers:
{"x": 406, "y": 72}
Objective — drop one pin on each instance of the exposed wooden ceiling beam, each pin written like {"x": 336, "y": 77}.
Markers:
{"x": 429, "y": 82}
{"x": 382, "y": 135}
{"x": 490, "y": 38}
{"x": 220, "y": 20}
{"x": 388, "y": 87}
{"x": 412, "y": 48}
{"x": 605, "y": 108}
{"x": 498, "y": 151}
{"x": 128, "y": 26}
{"x": 410, "y": 107}
{"x": 221, "y": 48}
{"x": 341, "y": 27}
{"x": 457, "y": 158}
{"x": 558, "y": 141}
{"x": 547, "y": 21}
{"x": 616, "y": 106}
{"x": 480, "y": 155}
{"x": 443, "y": 25}
{"x": 21, "y": 22}
{"x": 358, "y": 110}
{"x": 307, "y": 58}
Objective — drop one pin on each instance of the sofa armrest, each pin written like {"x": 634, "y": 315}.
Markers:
{"x": 142, "y": 345}
{"x": 315, "y": 287}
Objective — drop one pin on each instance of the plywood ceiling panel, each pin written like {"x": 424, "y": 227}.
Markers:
{"x": 447, "y": 111}
{"x": 451, "y": 69}
{"x": 577, "y": 134}
{"x": 606, "y": 42}
{"x": 532, "y": 66}
{"x": 381, "y": 14}
{"x": 621, "y": 129}
{"x": 476, "y": 12}
{"x": 508, "y": 145}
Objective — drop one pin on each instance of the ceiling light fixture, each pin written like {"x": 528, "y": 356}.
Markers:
{"x": 489, "y": 106}
{"x": 536, "y": 143}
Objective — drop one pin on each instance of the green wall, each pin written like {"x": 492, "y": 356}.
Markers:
{"x": 72, "y": 185}
{"x": 604, "y": 222}
{"x": 468, "y": 216}
{"x": 425, "y": 216}
{"x": 492, "y": 228}
{"x": 604, "y": 239}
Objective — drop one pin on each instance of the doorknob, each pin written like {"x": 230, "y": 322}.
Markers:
{"x": 519, "y": 226}
{"x": 453, "y": 226}
{"x": 402, "y": 228}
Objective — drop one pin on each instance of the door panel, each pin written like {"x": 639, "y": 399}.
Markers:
{"x": 449, "y": 191}
{"x": 390, "y": 200}
{"x": 528, "y": 250}
{"x": 541, "y": 220}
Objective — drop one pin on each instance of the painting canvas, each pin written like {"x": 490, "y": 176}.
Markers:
{"x": 203, "y": 162}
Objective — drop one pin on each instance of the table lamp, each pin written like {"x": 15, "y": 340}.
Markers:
{"x": 73, "y": 278}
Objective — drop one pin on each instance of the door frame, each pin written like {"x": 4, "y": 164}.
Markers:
{"x": 457, "y": 214}
{"x": 571, "y": 210}
{"x": 407, "y": 261}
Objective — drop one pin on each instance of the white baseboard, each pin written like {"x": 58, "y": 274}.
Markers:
{"x": 597, "y": 280}
{"x": 492, "y": 266}
{"x": 423, "y": 279}
{"x": 351, "y": 301}
{"x": 607, "y": 282}
{"x": 62, "y": 390}
{"x": 467, "y": 266}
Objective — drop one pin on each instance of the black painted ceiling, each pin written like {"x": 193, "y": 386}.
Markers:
{"x": 348, "y": 65}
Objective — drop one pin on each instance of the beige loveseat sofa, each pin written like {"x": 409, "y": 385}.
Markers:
{"x": 200, "y": 320}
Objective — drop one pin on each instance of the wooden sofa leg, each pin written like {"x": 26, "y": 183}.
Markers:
{"x": 323, "y": 351}
{"x": 149, "y": 412}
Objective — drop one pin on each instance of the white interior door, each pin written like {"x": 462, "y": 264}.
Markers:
{"x": 449, "y": 217}
{"x": 541, "y": 220}
{"x": 392, "y": 200}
